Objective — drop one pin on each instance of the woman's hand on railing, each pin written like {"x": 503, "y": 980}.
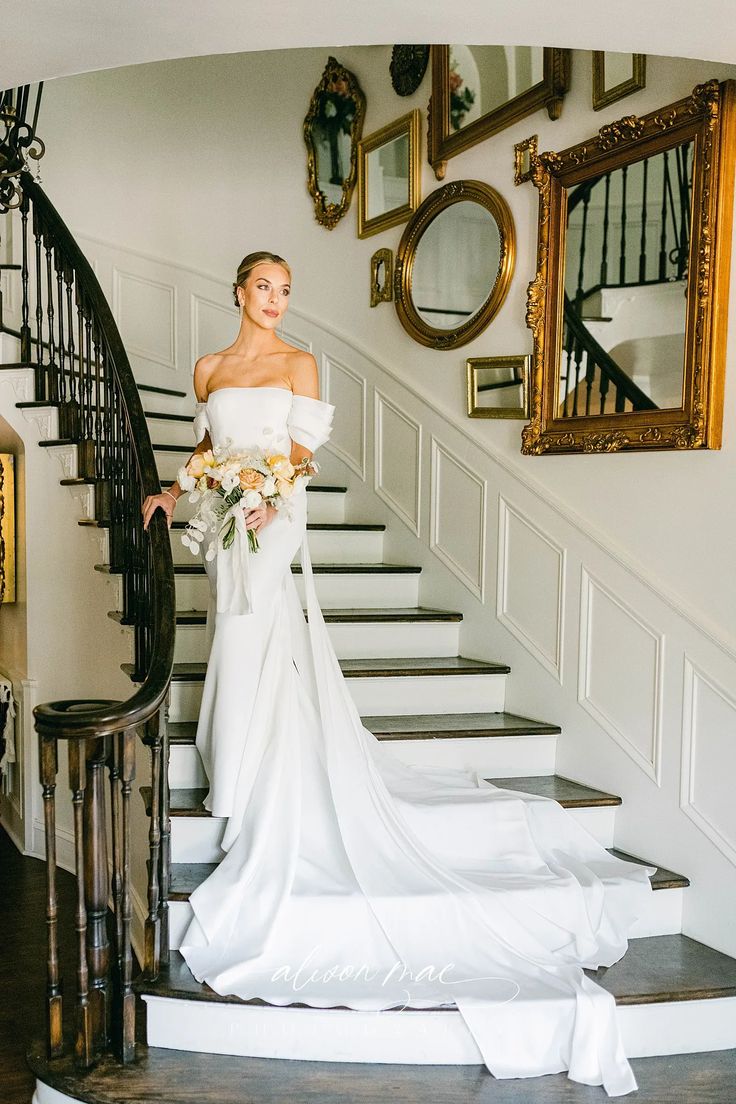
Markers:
{"x": 164, "y": 501}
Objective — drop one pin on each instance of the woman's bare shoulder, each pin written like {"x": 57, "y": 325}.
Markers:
{"x": 303, "y": 373}
{"x": 203, "y": 370}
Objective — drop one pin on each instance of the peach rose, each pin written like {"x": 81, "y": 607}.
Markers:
{"x": 199, "y": 462}
{"x": 251, "y": 480}
{"x": 281, "y": 466}
{"x": 284, "y": 487}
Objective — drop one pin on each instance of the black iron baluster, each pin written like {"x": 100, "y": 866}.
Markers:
{"x": 606, "y": 224}
{"x": 55, "y": 383}
{"x": 73, "y": 412}
{"x": 643, "y": 239}
{"x": 622, "y": 247}
{"x": 42, "y": 383}
{"x": 663, "y": 218}
{"x": 25, "y": 328}
{"x": 580, "y": 292}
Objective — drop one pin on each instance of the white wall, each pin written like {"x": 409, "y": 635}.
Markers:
{"x": 606, "y": 581}
{"x": 200, "y": 161}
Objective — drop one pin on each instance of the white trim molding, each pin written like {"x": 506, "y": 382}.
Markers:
{"x": 651, "y": 765}
{"x": 382, "y": 402}
{"x": 440, "y": 453}
{"x": 330, "y": 367}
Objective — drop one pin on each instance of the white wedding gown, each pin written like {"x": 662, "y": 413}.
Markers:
{"x": 436, "y": 887}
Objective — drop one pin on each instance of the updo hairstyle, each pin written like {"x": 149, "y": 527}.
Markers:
{"x": 247, "y": 265}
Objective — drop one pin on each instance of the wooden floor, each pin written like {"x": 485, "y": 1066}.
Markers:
{"x": 176, "y": 1077}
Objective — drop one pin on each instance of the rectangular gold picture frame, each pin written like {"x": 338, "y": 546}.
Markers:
{"x": 408, "y": 126}
{"x": 512, "y": 374}
{"x": 7, "y": 528}
{"x": 605, "y": 94}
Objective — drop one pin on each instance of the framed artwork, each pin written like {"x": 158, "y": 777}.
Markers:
{"x": 616, "y": 76}
{"x": 7, "y": 528}
{"x": 498, "y": 387}
{"x": 388, "y": 175}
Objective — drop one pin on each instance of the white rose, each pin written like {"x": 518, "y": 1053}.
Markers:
{"x": 186, "y": 481}
{"x": 251, "y": 499}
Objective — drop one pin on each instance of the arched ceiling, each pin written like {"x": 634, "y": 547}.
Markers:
{"x": 40, "y": 39}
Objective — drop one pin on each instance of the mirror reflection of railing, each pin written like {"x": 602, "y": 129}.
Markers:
{"x": 628, "y": 228}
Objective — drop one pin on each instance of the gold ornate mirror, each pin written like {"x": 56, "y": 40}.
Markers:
{"x": 479, "y": 90}
{"x": 389, "y": 175}
{"x": 629, "y": 305}
{"x": 332, "y": 130}
{"x": 454, "y": 264}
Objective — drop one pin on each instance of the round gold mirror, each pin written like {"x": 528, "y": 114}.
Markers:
{"x": 454, "y": 264}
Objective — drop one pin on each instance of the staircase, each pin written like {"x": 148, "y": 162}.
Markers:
{"x": 437, "y": 707}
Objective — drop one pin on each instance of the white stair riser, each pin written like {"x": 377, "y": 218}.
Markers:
{"x": 491, "y": 756}
{"x": 323, "y": 507}
{"x": 364, "y": 590}
{"x": 402, "y": 695}
{"x": 197, "y": 839}
{"x": 663, "y": 917}
{"x": 415, "y": 1037}
{"x": 349, "y": 546}
{"x": 165, "y": 432}
{"x": 169, "y": 404}
{"x": 356, "y": 640}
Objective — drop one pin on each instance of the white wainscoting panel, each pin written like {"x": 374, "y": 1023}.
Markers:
{"x": 457, "y": 517}
{"x": 347, "y": 390}
{"x": 709, "y": 758}
{"x": 212, "y": 325}
{"x": 145, "y": 310}
{"x": 530, "y": 596}
{"x": 621, "y": 674}
{"x": 398, "y": 460}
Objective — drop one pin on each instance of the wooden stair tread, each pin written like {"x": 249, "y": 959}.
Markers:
{"x": 54, "y": 442}
{"x": 655, "y": 969}
{"x": 570, "y": 794}
{"x": 317, "y": 526}
{"x": 377, "y": 568}
{"x": 185, "y": 877}
{"x": 422, "y": 727}
{"x": 372, "y": 668}
{"x": 188, "y": 449}
{"x": 164, "y": 416}
{"x": 161, "y": 390}
{"x": 425, "y": 726}
{"x": 349, "y": 615}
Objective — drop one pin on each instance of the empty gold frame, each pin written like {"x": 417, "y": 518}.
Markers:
{"x": 7, "y": 529}
{"x": 388, "y": 175}
{"x": 585, "y": 397}
{"x": 382, "y": 277}
{"x": 479, "y": 90}
{"x": 497, "y": 387}
{"x": 454, "y": 264}
{"x": 332, "y": 130}
{"x": 616, "y": 76}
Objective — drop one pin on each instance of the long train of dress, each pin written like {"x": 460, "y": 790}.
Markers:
{"x": 353, "y": 879}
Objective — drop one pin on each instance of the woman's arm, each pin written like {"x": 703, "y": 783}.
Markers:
{"x": 304, "y": 381}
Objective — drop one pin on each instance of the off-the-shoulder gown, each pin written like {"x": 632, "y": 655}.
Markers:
{"x": 434, "y": 886}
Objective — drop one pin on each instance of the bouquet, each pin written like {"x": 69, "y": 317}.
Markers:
{"x": 224, "y": 481}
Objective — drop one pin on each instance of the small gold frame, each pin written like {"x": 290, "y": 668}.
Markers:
{"x": 382, "y": 293}
{"x": 457, "y": 191}
{"x": 518, "y": 365}
{"x": 335, "y": 80}
{"x": 410, "y": 126}
{"x": 603, "y": 97}
{"x": 444, "y": 143}
{"x": 528, "y": 146}
{"x": 7, "y": 528}
{"x": 707, "y": 118}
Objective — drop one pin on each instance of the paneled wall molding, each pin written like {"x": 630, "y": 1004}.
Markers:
{"x": 410, "y": 457}
{"x": 160, "y": 297}
{"x": 708, "y": 758}
{"x": 621, "y": 674}
{"x": 451, "y": 521}
{"x": 197, "y": 304}
{"x": 338, "y": 381}
{"x": 518, "y": 469}
{"x": 530, "y": 593}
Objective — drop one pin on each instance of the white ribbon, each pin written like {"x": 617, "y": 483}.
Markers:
{"x": 234, "y": 591}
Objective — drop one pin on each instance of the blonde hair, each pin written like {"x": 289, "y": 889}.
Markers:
{"x": 249, "y": 262}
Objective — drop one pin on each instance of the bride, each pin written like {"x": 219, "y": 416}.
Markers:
{"x": 349, "y": 878}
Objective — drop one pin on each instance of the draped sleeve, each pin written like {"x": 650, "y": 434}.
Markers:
{"x": 201, "y": 421}
{"x": 310, "y": 421}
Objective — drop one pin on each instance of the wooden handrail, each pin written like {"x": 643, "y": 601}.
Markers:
{"x": 81, "y": 365}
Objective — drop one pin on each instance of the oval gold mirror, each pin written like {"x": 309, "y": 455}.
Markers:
{"x": 454, "y": 264}
{"x": 332, "y": 130}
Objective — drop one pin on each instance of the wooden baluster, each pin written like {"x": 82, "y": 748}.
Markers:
{"x": 55, "y": 384}
{"x": 606, "y": 225}
{"x": 83, "y": 1046}
{"x": 74, "y": 425}
{"x": 64, "y": 374}
{"x": 41, "y": 370}
{"x": 113, "y": 763}
{"x": 579, "y": 352}
{"x": 152, "y": 958}
{"x": 620, "y": 399}
{"x": 622, "y": 246}
{"x": 663, "y": 219}
{"x": 580, "y": 292}
{"x": 127, "y": 997}
{"x": 85, "y": 447}
{"x": 49, "y": 766}
{"x": 25, "y": 313}
{"x": 589, "y": 380}
{"x": 643, "y": 239}
{"x": 604, "y": 385}
{"x": 165, "y": 878}
{"x": 96, "y": 890}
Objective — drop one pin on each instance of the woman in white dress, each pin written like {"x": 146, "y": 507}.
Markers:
{"x": 348, "y": 877}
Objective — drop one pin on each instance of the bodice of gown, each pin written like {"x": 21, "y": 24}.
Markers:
{"x": 264, "y": 417}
